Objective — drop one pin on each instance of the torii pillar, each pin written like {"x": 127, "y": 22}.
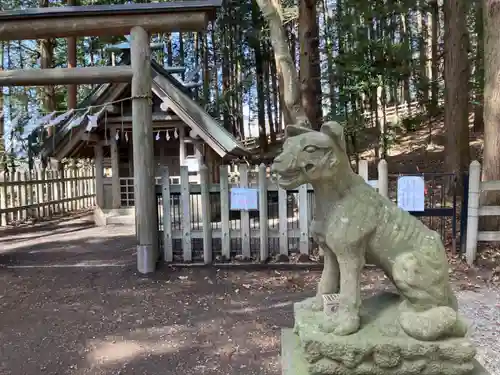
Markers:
{"x": 142, "y": 140}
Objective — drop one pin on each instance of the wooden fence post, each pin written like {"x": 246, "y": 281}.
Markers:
{"x": 62, "y": 187}
{"x": 168, "y": 254}
{"x": 245, "y": 215}
{"x": 363, "y": 169}
{"x": 383, "y": 178}
{"x": 40, "y": 177}
{"x": 206, "y": 214}
{"x": 187, "y": 249}
{"x": 26, "y": 194}
{"x": 283, "y": 220}
{"x": 263, "y": 218}
{"x": 21, "y": 185}
{"x": 3, "y": 199}
{"x": 473, "y": 211}
{"x": 303, "y": 220}
{"x": 224, "y": 212}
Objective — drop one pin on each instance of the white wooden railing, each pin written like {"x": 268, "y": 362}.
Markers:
{"x": 204, "y": 227}
{"x": 41, "y": 194}
{"x": 476, "y": 210}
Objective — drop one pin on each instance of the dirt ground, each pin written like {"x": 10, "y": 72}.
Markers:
{"x": 72, "y": 303}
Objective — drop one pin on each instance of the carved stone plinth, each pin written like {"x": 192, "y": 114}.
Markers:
{"x": 380, "y": 347}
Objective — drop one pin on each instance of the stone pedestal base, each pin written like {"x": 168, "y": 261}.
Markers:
{"x": 293, "y": 361}
{"x": 380, "y": 347}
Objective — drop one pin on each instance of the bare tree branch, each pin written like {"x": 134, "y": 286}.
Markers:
{"x": 284, "y": 63}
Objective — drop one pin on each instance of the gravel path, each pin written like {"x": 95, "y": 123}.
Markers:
{"x": 60, "y": 314}
{"x": 482, "y": 308}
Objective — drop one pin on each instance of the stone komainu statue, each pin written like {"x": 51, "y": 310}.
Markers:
{"x": 416, "y": 332}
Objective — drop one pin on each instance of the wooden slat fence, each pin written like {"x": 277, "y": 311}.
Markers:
{"x": 197, "y": 225}
{"x": 44, "y": 193}
{"x": 476, "y": 210}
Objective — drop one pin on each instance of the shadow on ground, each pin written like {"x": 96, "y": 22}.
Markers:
{"x": 71, "y": 302}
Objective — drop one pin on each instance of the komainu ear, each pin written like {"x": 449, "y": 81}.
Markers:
{"x": 293, "y": 130}
{"x": 335, "y": 131}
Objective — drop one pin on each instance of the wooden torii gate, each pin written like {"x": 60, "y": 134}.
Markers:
{"x": 138, "y": 20}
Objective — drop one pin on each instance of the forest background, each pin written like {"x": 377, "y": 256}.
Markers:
{"x": 358, "y": 63}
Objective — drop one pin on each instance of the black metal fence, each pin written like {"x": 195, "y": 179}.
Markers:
{"x": 444, "y": 208}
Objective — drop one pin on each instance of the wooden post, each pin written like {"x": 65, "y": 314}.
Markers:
{"x": 206, "y": 214}
{"x": 50, "y": 192}
{"x": 62, "y": 187}
{"x": 383, "y": 176}
{"x": 283, "y": 220}
{"x": 303, "y": 219}
{"x": 187, "y": 248}
{"x": 25, "y": 197}
{"x": 473, "y": 211}
{"x": 245, "y": 216}
{"x": 3, "y": 196}
{"x": 182, "y": 146}
{"x": 142, "y": 138}
{"x": 263, "y": 219}
{"x": 115, "y": 175}
{"x": 168, "y": 252}
{"x": 224, "y": 212}
{"x": 99, "y": 177}
{"x": 40, "y": 177}
{"x": 363, "y": 169}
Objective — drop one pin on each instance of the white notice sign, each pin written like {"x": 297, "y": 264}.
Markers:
{"x": 244, "y": 199}
{"x": 411, "y": 193}
{"x": 192, "y": 164}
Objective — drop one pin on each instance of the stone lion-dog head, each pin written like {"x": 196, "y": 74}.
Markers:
{"x": 309, "y": 155}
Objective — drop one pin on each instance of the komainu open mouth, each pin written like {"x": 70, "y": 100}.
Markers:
{"x": 289, "y": 174}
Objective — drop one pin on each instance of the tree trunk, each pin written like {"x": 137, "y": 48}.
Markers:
{"x": 2, "y": 114}
{"x": 278, "y": 121}
{"x": 216, "y": 77}
{"x": 491, "y": 154}
{"x": 206, "y": 71}
{"x": 267, "y": 91}
{"x": 329, "y": 47}
{"x": 433, "y": 108}
{"x": 293, "y": 109}
{"x": 456, "y": 87}
{"x": 424, "y": 79}
{"x": 72, "y": 89}
{"x": 46, "y": 62}
{"x": 310, "y": 70}
{"x": 259, "y": 71}
{"x": 170, "y": 54}
{"x": 226, "y": 84}
{"x": 479, "y": 69}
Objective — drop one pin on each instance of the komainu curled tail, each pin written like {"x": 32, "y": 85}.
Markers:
{"x": 429, "y": 311}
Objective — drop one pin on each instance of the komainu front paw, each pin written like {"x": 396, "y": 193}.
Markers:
{"x": 314, "y": 303}
{"x": 342, "y": 323}
{"x": 429, "y": 325}
{"x": 348, "y": 323}
{"x": 317, "y": 303}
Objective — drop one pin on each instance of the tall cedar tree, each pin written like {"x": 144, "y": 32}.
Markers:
{"x": 310, "y": 69}
{"x": 456, "y": 76}
{"x": 491, "y": 154}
